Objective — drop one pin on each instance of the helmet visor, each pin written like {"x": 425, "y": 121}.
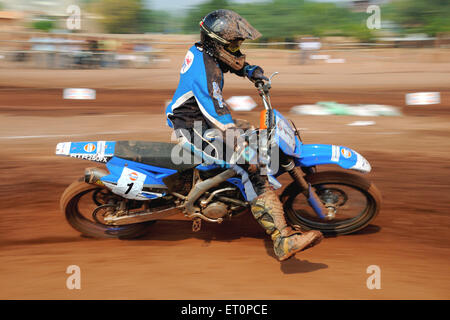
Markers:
{"x": 234, "y": 46}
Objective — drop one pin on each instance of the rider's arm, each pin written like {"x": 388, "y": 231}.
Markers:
{"x": 240, "y": 73}
{"x": 252, "y": 72}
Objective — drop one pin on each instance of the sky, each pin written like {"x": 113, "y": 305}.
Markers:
{"x": 179, "y": 5}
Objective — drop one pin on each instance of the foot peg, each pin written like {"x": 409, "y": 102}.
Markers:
{"x": 196, "y": 224}
{"x": 197, "y": 220}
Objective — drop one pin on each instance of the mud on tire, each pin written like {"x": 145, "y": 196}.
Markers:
{"x": 356, "y": 183}
{"x": 70, "y": 206}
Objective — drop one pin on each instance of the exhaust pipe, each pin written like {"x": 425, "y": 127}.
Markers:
{"x": 143, "y": 216}
{"x": 93, "y": 175}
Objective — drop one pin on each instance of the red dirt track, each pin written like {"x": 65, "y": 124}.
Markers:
{"x": 409, "y": 240}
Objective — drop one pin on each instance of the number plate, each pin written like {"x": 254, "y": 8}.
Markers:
{"x": 130, "y": 183}
{"x": 286, "y": 133}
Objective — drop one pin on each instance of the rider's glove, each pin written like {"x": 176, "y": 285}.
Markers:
{"x": 254, "y": 73}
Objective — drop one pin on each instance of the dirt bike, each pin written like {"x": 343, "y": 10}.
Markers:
{"x": 142, "y": 184}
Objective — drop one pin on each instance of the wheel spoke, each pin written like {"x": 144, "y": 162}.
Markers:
{"x": 351, "y": 204}
{"x": 79, "y": 202}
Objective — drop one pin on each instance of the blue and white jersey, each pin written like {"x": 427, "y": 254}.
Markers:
{"x": 199, "y": 94}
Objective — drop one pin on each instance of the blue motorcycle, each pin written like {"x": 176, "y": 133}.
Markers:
{"x": 141, "y": 184}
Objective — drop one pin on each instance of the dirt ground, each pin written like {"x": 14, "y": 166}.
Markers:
{"x": 409, "y": 240}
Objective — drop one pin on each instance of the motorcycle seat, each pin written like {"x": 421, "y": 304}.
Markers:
{"x": 156, "y": 154}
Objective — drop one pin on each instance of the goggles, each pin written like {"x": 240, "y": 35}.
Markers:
{"x": 234, "y": 46}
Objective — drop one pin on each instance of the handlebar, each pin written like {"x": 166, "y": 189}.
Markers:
{"x": 259, "y": 83}
{"x": 264, "y": 87}
{"x": 263, "y": 90}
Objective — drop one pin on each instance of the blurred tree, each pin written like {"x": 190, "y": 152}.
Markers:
{"x": 154, "y": 21}
{"x": 277, "y": 19}
{"x": 287, "y": 19}
{"x": 420, "y": 16}
{"x": 120, "y": 16}
{"x": 129, "y": 16}
{"x": 43, "y": 25}
{"x": 191, "y": 21}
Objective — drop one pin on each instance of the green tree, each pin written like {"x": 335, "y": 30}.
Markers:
{"x": 154, "y": 21}
{"x": 286, "y": 19}
{"x": 420, "y": 16}
{"x": 130, "y": 16}
{"x": 43, "y": 25}
{"x": 191, "y": 21}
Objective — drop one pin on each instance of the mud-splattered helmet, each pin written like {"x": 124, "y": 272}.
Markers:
{"x": 222, "y": 32}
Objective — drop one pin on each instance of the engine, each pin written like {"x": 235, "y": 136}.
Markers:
{"x": 215, "y": 210}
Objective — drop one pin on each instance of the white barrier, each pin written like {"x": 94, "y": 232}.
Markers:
{"x": 241, "y": 103}
{"x": 362, "y": 123}
{"x": 335, "y": 61}
{"x": 423, "y": 98}
{"x": 319, "y": 57}
{"x": 79, "y": 94}
{"x": 333, "y": 108}
{"x": 311, "y": 109}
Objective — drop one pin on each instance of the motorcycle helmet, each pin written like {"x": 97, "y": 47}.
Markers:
{"x": 222, "y": 32}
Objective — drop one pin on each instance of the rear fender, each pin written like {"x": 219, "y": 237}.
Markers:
{"x": 317, "y": 154}
{"x": 98, "y": 151}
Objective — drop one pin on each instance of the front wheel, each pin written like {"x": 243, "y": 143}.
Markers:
{"x": 354, "y": 200}
{"x": 78, "y": 202}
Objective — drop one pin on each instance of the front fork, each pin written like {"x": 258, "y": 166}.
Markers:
{"x": 313, "y": 199}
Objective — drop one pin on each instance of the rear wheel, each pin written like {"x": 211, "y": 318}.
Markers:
{"x": 354, "y": 200}
{"x": 79, "y": 201}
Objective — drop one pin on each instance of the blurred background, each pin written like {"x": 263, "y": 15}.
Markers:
{"x": 346, "y": 72}
{"x": 135, "y": 33}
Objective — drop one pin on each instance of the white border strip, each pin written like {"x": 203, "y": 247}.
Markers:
{"x": 67, "y": 135}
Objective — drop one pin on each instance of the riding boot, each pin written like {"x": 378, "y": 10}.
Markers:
{"x": 268, "y": 211}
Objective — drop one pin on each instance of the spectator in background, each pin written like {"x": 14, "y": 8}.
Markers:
{"x": 93, "y": 45}
{"x": 94, "y": 60}
{"x": 109, "y": 48}
{"x": 308, "y": 46}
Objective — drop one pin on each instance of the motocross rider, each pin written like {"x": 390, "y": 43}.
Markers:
{"x": 198, "y": 98}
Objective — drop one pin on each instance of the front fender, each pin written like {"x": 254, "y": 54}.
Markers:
{"x": 317, "y": 154}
